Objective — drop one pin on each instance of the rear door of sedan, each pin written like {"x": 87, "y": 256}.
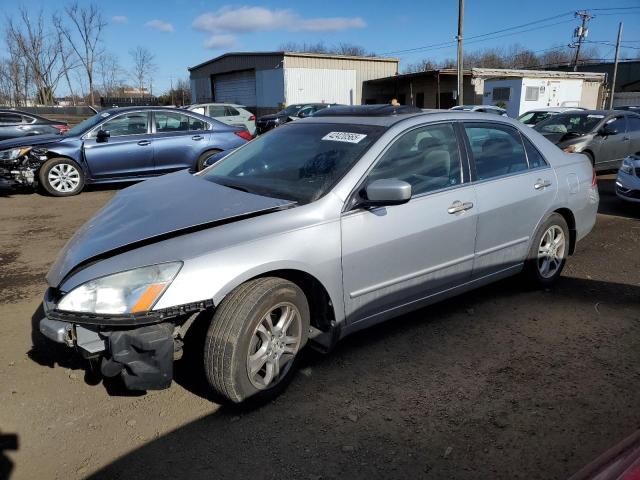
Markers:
{"x": 515, "y": 186}
{"x": 399, "y": 255}
{"x": 178, "y": 140}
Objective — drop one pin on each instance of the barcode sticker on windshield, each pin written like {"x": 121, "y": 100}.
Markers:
{"x": 344, "y": 137}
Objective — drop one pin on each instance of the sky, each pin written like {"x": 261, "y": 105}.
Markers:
{"x": 184, "y": 33}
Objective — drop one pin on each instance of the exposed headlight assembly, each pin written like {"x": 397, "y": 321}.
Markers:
{"x": 627, "y": 167}
{"x": 14, "y": 153}
{"x": 133, "y": 291}
{"x": 571, "y": 149}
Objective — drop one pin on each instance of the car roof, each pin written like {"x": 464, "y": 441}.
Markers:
{"x": 115, "y": 110}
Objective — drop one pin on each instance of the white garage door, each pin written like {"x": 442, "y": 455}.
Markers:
{"x": 238, "y": 87}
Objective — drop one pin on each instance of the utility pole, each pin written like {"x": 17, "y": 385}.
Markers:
{"x": 615, "y": 67}
{"x": 579, "y": 34}
{"x": 460, "y": 55}
{"x": 171, "y": 89}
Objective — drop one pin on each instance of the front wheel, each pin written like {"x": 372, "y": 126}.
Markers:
{"x": 61, "y": 177}
{"x": 254, "y": 341}
{"x": 549, "y": 251}
{"x": 200, "y": 164}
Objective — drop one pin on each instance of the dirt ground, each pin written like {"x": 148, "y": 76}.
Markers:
{"x": 504, "y": 382}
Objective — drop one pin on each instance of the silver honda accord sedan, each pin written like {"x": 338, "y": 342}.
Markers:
{"x": 309, "y": 233}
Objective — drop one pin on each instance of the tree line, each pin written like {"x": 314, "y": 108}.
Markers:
{"x": 67, "y": 50}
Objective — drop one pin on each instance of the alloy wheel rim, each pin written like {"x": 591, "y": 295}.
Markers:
{"x": 551, "y": 251}
{"x": 64, "y": 177}
{"x": 274, "y": 344}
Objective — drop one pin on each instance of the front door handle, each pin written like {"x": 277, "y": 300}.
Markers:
{"x": 458, "y": 206}
{"x": 144, "y": 142}
{"x": 197, "y": 137}
{"x": 540, "y": 184}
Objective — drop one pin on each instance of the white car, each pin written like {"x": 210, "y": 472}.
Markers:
{"x": 535, "y": 116}
{"x": 229, "y": 113}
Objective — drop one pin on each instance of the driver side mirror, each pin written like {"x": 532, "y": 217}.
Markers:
{"x": 607, "y": 130}
{"x": 385, "y": 192}
{"x": 102, "y": 135}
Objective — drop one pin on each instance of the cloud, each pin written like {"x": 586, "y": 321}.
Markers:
{"x": 234, "y": 20}
{"x": 119, "y": 19}
{"x": 159, "y": 25}
{"x": 220, "y": 41}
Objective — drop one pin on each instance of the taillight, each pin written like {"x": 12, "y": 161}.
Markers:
{"x": 61, "y": 128}
{"x": 244, "y": 134}
{"x": 594, "y": 179}
{"x": 252, "y": 118}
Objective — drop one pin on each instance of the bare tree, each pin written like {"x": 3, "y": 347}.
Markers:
{"x": 320, "y": 47}
{"x": 84, "y": 36}
{"x": 143, "y": 66}
{"x": 110, "y": 74}
{"x": 41, "y": 50}
{"x": 421, "y": 66}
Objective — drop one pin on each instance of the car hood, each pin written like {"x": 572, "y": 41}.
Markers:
{"x": 273, "y": 116}
{"x": 29, "y": 141}
{"x": 560, "y": 139}
{"x": 154, "y": 210}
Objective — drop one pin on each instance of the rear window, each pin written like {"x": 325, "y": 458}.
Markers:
{"x": 299, "y": 161}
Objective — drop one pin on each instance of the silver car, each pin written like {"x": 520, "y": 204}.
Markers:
{"x": 229, "y": 113}
{"x": 313, "y": 231}
{"x": 628, "y": 181}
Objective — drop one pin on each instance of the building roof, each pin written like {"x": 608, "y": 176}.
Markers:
{"x": 296, "y": 54}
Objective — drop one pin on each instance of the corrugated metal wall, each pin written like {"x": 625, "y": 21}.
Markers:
{"x": 314, "y": 85}
{"x": 237, "y": 87}
{"x": 365, "y": 68}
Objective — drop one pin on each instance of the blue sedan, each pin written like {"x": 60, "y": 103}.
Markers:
{"x": 117, "y": 145}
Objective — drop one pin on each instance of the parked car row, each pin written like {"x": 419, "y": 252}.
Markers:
{"x": 309, "y": 233}
{"x": 15, "y": 123}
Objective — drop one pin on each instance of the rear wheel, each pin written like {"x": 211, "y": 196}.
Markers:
{"x": 254, "y": 341}
{"x": 203, "y": 158}
{"x": 61, "y": 177}
{"x": 549, "y": 251}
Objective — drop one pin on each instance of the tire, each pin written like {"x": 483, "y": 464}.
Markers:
{"x": 240, "y": 340}
{"x": 203, "y": 158}
{"x": 549, "y": 251}
{"x": 61, "y": 177}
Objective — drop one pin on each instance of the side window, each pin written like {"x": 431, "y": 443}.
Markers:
{"x": 428, "y": 158}
{"x": 171, "y": 122}
{"x": 633, "y": 123}
{"x": 231, "y": 112}
{"x": 216, "y": 111}
{"x": 197, "y": 124}
{"x": 134, "y": 123}
{"x": 496, "y": 150}
{"x": 199, "y": 110}
{"x": 618, "y": 123}
{"x": 27, "y": 119}
{"x": 536, "y": 160}
{"x": 10, "y": 119}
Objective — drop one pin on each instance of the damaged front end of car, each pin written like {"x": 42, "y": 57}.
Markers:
{"x": 19, "y": 166}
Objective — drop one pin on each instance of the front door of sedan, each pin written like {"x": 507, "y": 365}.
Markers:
{"x": 515, "y": 187}
{"x": 399, "y": 255}
{"x": 178, "y": 140}
{"x": 126, "y": 153}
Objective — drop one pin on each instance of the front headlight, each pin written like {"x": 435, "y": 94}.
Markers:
{"x": 627, "y": 167}
{"x": 133, "y": 291}
{"x": 14, "y": 153}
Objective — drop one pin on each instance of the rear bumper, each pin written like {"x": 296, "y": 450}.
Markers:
{"x": 143, "y": 356}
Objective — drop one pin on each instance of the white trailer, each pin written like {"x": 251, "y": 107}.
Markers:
{"x": 539, "y": 89}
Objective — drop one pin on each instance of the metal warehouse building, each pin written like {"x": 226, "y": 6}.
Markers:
{"x": 265, "y": 81}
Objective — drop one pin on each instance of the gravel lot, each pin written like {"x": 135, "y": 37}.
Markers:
{"x": 501, "y": 383}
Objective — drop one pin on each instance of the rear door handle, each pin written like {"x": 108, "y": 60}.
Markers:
{"x": 540, "y": 184}
{"x": 197, "y": 137}
{"x": 458, "y": 206}
{"x": 144, "y": 142}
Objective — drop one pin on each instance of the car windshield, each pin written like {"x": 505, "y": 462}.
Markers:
{"x": 579, "y": 123}
{"x": 87, "y": 124}
{"x": 299, "y": 162}
{"x": 533, "y": 118}
{"x": 290, "y": 110}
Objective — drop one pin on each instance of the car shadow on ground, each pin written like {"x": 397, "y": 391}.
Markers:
{"x": 419, "y": 359}
{"x": 610, "y": 204}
